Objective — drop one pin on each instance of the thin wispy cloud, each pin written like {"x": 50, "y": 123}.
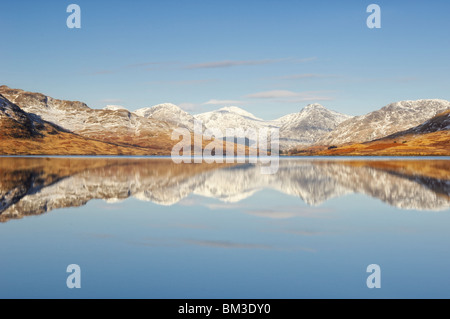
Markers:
{"x": 140, "y": 65}
{"x": 307, "y": 76}
{"x": 184, "y": 82}
{"x": 99, "y": 235}
{"x": 222, "y": 102}
{"x": 306, "y": 59}
{"x": 237, "y": 245}
{"x": 287, "y": 212}
{"x": 405, "y": 79}
{"x": 286, "y": 96}
{"x": 200, "y": 201}
{"x": 226, "y": 244}
{"x": 394, "y": 79}
{"x": 272, "y": 94}
{"x": 229, "y": 206}
{"x": 206, "y": 65}
{"x": 312, "y": 98}
{"x": 230, "y": 63}
{"x": 143, "y": 66}
{"x": 101, "y": 72}
{"x": 304, "y": 232}
{"x": 190, "y": 106}
{"x": 167, "y": 242}
{"x": 191, "y": 201}
{"x": 193, "y": 226}
{"x": 155, "y": 243}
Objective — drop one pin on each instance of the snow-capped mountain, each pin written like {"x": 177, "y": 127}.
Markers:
{"x": 114, "y": 108}
{"x": 390, "y": 119}
{"x": 308, "y": 125}
{"x": 14, "y": 122}
{"x": 440, "y": 122}
{"x": 168, "y": 112}
{"x": 302, "y": 128}
{"x": 151, "y": 127}
{"x": 232, "y": 117}
{"x": 116, "y": 125}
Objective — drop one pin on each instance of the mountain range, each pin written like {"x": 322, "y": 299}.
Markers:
{"x": 33, "y": 123}
{"x": 390, "y": 119}
{"x": 429, "y": 138}
{"x": 300, "y": 128}
{"x": 23, "y": 133}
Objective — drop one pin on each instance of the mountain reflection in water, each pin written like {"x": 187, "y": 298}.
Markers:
{"x": 31, "y": 186}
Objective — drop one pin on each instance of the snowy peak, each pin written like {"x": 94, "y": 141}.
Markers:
{"x": 232, "y": 117}
{"x": 308, "y": 125}
{"x": 414, "y": 105}
{"x": 314, "y": 106}
{"x": 308, "y": 111}
{"x": 168, "y": 112}
{"x": 317, "y": 112}
{"x": 122, "y": 128}
{"x": 238, "y": 111}
{"x": 312, "y": 125}
{"x": 40, "y": 101}
{"x": 167, "y": 106}
{"x": 303, "y": 127}
{"x": 320, "y": 110}
{"x": 159, "y": 108}
{"x": 114, "y": 108}
{"x": 392, "y": 118}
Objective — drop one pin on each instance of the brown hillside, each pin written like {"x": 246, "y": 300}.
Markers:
{"x": 429, "y": 138}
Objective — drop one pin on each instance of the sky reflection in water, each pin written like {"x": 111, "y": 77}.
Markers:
{"x": 152, "y": 229}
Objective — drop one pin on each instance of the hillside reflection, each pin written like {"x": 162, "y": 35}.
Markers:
{"x": 32, "y": 186}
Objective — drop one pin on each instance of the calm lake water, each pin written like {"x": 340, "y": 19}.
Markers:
{"x": 149, "y": 228}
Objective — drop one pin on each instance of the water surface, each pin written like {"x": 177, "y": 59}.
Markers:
{"x": 149, "y": 228}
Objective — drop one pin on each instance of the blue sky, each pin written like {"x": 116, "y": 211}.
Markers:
{"x": 269, "y": 57}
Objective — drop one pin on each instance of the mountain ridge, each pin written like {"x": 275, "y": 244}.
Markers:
{"x": 429, "y": 138}
{"x": 392, "y": 118}
{"x": 23, "y": 133}
{"x": 119, "y": 127}
{"x": 151, "y": 127}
